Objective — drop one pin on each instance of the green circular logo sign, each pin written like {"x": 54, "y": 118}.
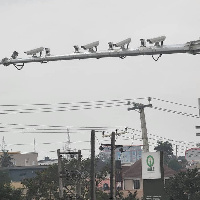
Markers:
{"x": 150, "y": 161}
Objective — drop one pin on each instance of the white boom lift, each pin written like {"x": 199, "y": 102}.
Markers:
{"x": 120, "y": 49}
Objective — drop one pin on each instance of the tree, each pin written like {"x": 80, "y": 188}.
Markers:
{"x": 45, "y": 184}
{"x": 4, "y": 177}
{"x": 5, "y": 160}
{"x": 175, "y": 165}
{"x": 131, "y": 196}
{"x": 167, "y": 149}
{"x": 184, "y": 185}
{"x": 9, "y": 193}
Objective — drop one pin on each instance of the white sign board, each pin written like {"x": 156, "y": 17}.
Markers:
{"x": 151, "y": 165}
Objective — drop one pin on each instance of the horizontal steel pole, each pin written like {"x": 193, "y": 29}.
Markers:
{"x": 152, "y": 50}
{"x": 69, "y": 152}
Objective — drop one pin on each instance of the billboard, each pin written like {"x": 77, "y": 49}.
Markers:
{"x": 151, "y": 165}
{"x": 130, "y": 154}
{"x": 192, "y": 154}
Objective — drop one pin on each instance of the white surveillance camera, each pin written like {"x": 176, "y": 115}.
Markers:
{"x": 33, "y": 52}
{"x": 123, "y": 43}
{"x": 156, "y": 40}
{"x": 91, "y": 46}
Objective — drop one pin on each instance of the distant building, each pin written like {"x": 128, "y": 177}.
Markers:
{"x": 25, "y": 159}
{"x": 17, "y": 174}
{"x": 47, "y": 161}
{"x": 128, "y": 154}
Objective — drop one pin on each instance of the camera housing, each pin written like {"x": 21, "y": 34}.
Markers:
{"x": 156, "y": 40}
{"x": 33, "y": 52}
{"x": 122, "y": 43}
{"x": 92, "y": 47}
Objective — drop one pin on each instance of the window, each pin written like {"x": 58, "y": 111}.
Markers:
{"x": 136, "y": 184}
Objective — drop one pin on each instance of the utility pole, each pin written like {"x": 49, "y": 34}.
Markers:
{"x": 92, "y": 172}
{"x": 112, "y": 174}
{"x": 199, "y": 105}
{"x": 59, "y": 174}
{"x": 78, "y": 190}
{"x": 63, "y": 175}
{"x": 140, "y": 107}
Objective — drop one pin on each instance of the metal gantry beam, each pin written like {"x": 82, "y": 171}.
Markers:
{"x": 120, "y": 49}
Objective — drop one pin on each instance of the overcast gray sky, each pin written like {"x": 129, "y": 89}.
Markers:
{"x": 60, "y": 24}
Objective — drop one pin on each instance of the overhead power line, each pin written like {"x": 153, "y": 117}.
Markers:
{"x": 182, "y": 145}
{"x": 84, "y": 106}
{"x": 175, "y": 103}
{"x": 175, "y": 112}
{"x": 40, "y": 108}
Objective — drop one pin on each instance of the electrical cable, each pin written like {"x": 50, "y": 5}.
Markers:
{"x": 175, "y": 103}
{"x": 176, "y": 112}
{"x": 156, "y": 59}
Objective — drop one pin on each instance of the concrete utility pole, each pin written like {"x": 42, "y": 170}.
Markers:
{"x": 140, "y": 107}
{"x": 59, "y": 174}
{"x": 120, "y": 50}
{"x": 78, "y": 190}
{"x": 92, "y": 172}
{"x": 112, "y": 174}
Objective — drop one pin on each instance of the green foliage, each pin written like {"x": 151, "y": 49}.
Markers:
{"x": 45, "y": 184}
{"x": 4, "y": 177}
{"x": 175, "y": 165}
{"x": 5, "y": 160}
{"x": 131, "y": 196}
{"x": 9, "y": 193}
{"x": 183, "y": 162}
{"x": 167, "y": 149}
{"x": 100, "y": 195}
{"x": 184, "y": 185}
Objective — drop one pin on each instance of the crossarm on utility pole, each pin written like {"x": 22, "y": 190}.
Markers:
{"x": 140, "y": 107}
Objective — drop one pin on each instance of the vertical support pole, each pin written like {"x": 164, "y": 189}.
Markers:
{"x": 59, "y": 175}
{"x": 199, "y": 105}
{"x": 79, "y": 169}
{"x": 92, "y": 172}
{"x": 176, "y": 151}
{"x": 144, "y": 131}
{"x": 112, "y": 174}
